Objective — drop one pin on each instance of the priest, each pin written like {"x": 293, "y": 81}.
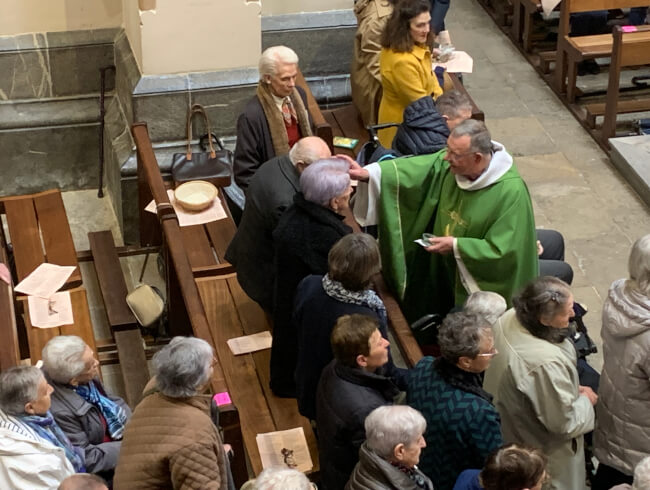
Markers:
{"x": 473, "y": 201}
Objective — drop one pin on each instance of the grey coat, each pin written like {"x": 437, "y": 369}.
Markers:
{"x": 375, "y": 473}
{"x": 270, "y": 193}
{"x": 622, "y": 435}
{"x": 81, "y": 422}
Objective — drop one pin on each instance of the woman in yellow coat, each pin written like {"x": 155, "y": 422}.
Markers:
{"x": 405, "y": 63}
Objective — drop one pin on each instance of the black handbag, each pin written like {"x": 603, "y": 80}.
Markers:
{"x": 213, "y": 166}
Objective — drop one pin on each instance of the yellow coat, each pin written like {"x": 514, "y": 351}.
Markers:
{"x": 405, "y": 77}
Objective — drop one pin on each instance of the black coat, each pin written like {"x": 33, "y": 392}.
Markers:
{"x": 254, "y": 144}
{"x": 302, "y": 240}
{"x": 270, "y": 193}
{"x": 423, "y": 129}
{"x": 315, "y": 315}
{"x": 345, "y": 398}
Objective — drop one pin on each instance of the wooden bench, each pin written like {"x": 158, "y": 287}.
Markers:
{"x": 628, "y": 49}
{"x": 9, "y": 347}
{"x": 215, "y": 308}
{"x": 345, "y": 120}
{"x": 573, "y": 50}
{"x": 124, "y": 326}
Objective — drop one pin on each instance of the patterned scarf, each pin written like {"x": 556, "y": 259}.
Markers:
{"x": 367, "y": 298}
{"x": 112, "y": 412}
{"x": 414, "y": 475}
{"x": 48, "y": 429}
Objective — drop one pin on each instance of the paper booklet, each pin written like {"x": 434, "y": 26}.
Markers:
{"x": 286, "y": 448}
{"x": 45, "y": 280}
{"x": 250, "y": 343}
{"x": 50, "y": 312}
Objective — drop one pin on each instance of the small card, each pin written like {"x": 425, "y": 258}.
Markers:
{"x": 342, "y": 142}
{"x": 629, "y": 28}
{"x": 5, "y": 275}
{"x": 250, "y": 343}
{"x": 222, "y": 398}
{"x": 419, "y": 241}
{"x": 286, "y": 448}
{"x": 45, "y": 280}
{"x": 50, "y": 312}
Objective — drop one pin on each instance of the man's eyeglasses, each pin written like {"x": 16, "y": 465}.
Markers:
{"x": 493, "y": 352}
{"x": 452, "y": 155}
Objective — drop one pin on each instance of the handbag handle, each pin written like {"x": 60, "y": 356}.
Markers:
{"x": 197, "y": 109}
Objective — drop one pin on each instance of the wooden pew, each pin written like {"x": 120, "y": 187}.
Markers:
{"x": 628, "y": 49}
{"x": 216, "y": 310}
{"x": 124, "y": 326}
{"x": 573, "y": 50}
{"x": 9, "y": 346}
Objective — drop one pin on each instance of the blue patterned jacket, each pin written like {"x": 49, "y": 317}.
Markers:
{"x": 462, "y": 427}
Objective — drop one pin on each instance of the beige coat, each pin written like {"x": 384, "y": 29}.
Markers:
{"x": 535, "y": 388}
{"x": 622, "y": 435}
{"x": 365, "y": 79}
{"x": 171, "y": 443}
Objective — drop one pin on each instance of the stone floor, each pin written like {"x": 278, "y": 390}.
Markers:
{"x": 574, "y": 187}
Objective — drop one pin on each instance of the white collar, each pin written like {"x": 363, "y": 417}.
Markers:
{"x": 499, "y": 164}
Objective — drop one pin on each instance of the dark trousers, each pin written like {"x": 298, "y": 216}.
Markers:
{"x": 551, "y": 262}
{"x": 607, "y": 477}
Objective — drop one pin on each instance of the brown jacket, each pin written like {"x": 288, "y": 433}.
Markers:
{"x": 171, "y": 443}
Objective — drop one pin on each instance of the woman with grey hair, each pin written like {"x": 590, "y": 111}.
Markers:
{"x": 171, "y": 440}
{"x": 277, "y": 478}
{"x": 535, "y": 381}
{"x": 34, "y": 451}
{"x": 303, "y": 238}
{"x": 463, "y": 426}
{"x": 388, "y": 458}
{"x": 486, "y": 304}
{"x": 622, "y": 435}
{"x": 90, "y": 417}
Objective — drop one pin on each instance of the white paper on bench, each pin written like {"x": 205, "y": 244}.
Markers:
{"x": 250, "y": 343}
{"x": 45, "y": 280}
{"x": 460, "y": 62}
{"x": 52, "y": 312}
{"x": 271, "y": 445}
{"x": 188, "y": 218}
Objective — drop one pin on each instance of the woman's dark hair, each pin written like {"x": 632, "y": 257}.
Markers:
{"x": 543, "y": 297}
{"x": 513, "y": 467}
{"x": 353, "y": 260}
{"x": 351, "y": 337}
{"x": 397, "y": 34}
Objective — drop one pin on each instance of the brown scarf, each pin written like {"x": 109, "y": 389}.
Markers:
{"x": 276, "y": 120}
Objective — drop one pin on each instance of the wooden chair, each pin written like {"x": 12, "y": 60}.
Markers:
{"x": 573, "y": 50}
{"x": 629, "y": 49}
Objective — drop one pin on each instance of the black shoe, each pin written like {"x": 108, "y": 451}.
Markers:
{"x": 588, "y": 67}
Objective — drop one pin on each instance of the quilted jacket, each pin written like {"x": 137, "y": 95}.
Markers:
{"x": 622, "y": 435}
{"x": 171, "y": 443}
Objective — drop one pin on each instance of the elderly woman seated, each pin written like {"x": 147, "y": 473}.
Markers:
{"x": 303, "y": 238}
{"x": 89, "y": 416}
{"x": 388, "y": 458}
{"x": 462, "y": 424}
{"x": 321, "y": 300}
{"x": 277, "y": 477}
{"x": 34, "y": 451}
{"x": 171, "y": 440}
{"x": 486, "y": 304}
{"x": 510, "y": 467}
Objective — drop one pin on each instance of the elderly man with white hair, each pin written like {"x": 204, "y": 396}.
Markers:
{"x": 275, "y": 118}
{"x": 171, "y": 440}
{"x": 90, "y": 417}
{"x": 389, "y": 457}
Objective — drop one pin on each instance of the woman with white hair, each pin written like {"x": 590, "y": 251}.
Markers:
{"x": 275, "y": 118}
{"x": 279, "y": 478}
{"x": 171, "y": 440}
{"x": 622, "y": 434}
{"x": 303, "y": 238}
{"x": 90, "y": 417}
{"x": 388, "y": 458}
{"x": 486, "y": 304}
{"x": 34, "y": 451}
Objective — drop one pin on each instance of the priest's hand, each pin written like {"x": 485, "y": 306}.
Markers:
{"x": 357, "y": 172}
{"x": 441, "y": 244}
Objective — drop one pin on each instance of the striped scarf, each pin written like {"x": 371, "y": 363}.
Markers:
{"x": 367, "y": 298}
{"x": 46, "y": 428}
{"x": 112, "y": 412}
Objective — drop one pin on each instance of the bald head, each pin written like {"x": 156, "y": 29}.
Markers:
{"x": 307, "y": 151}
{"x": 83, "y": 481}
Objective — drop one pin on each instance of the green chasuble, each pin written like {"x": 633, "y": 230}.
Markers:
{"x": 494, "y": 226}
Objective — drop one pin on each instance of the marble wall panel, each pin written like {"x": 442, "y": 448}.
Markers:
{"x": 76, "y": 70}
{"x": 25, "y": 75}
{"x": 165, "y": 114}
{"x": 223, "y": 107}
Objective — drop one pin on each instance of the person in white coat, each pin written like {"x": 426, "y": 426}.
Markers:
{"x": 535, "y": 384}
{"x": 27, "y": 460}
{"x": 622, "y": 435}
